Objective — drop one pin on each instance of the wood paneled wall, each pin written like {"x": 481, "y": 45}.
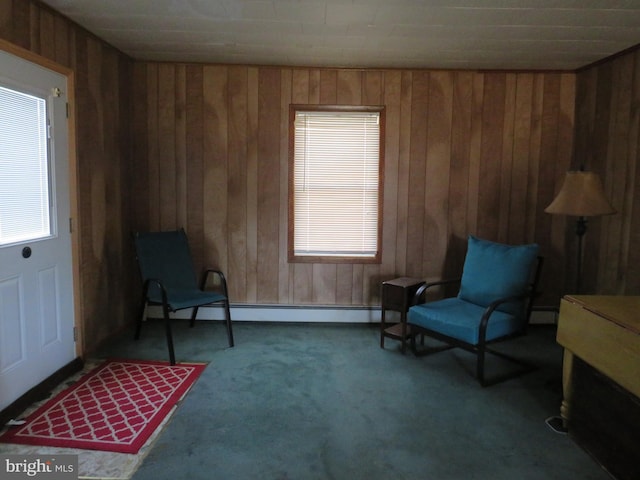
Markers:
{"x": 466, "y": 153}
{"x": 607, "y": 142}
{"x": 103, "y": 84}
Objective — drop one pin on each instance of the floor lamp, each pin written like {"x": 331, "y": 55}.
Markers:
{"x": 581, "y": 196}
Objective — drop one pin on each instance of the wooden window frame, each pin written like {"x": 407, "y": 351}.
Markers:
{"x": 339, "y": 259}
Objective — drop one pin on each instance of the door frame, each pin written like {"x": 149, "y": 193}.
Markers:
{"x": 28, "y": 55}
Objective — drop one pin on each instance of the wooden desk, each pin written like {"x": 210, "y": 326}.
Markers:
{"x": 601, "y": 378}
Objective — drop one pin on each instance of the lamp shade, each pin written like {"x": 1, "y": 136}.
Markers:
{"x": 581, "y": 195}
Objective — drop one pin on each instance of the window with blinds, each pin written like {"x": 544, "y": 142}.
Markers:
{"x": 24, "y": 168}
{"x": 335, "y": 183}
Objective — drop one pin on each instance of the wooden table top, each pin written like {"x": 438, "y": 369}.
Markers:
{"x": 620, "y": 309}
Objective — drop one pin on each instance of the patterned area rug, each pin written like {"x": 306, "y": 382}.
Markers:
{"x": 92, "y": 464}
{"x": 115, "y": 408}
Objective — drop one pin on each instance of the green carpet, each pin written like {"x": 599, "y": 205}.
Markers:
{"x": 326, "y": 402}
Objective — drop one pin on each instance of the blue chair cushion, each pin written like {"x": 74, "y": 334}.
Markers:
{"x": 459, "y": 319}
{"x": 494, "y": 270}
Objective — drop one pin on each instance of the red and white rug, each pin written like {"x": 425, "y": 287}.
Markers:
{"x": 115, "y": 407}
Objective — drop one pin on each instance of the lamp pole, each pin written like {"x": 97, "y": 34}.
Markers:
{"x": 581, "y": 229}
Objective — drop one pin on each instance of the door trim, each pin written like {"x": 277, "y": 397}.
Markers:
{"x": 78, "y": 310}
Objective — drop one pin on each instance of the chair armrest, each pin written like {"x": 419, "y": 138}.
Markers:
{"x": 221, "y": 278}
{"x": 492, "y": 307}
{"x": 418, "y": 297}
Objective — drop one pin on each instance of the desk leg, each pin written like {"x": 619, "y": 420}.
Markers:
{"x": 567, "y": 387}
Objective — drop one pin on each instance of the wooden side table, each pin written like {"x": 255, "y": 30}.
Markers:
{"x": 397, "y": 295}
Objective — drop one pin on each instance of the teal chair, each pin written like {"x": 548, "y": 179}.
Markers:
{"x": 494, "y": 300}
{"x": 169, "y": 280}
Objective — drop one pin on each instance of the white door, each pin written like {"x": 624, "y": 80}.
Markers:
{"x": 36, "y": 284}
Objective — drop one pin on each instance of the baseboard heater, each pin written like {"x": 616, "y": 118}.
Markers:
{"x": 306, "y": 314}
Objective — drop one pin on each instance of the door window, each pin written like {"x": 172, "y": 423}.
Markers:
{"x": 24, "y": 168}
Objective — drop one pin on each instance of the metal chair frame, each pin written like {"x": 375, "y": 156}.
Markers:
{"x": 166, "y": 302}
{"x": 482, "y": 347}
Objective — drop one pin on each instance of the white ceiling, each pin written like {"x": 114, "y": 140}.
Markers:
{"x": 450, "y": 34}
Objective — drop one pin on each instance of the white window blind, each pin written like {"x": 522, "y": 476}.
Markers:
{"x": 24, "y": 168}
{"x": 336, "y": 183}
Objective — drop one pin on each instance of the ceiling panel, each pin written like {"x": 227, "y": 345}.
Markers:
{"x": 474, "y": 34}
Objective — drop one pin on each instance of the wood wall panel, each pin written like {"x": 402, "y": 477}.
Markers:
{"x": 465, "y": 153}
{"x": 166, "y": 166}
{"x": 490, "y": 207}
{"x": 215, "y": 171}
{"x": 152, "y": 163}
{"x": 460, "y": 169}
{"x": 404, "y": 151}
{"x": 252, "y": 180}
{"x": 391, "y": 100}
{"x": 140, "y": 151}
{"x": 417, "y": 170}
{"x": 617, "y": 172}
{"x": 607, "y": 138}
{"x": 438, "y": 162}
{"x": 180, "y": 143}
{"x": 285, "y": 292}
{"x": 517, "y": 152}
{"x": 268, "y": 186}
{"x": 103, "y": 78}
{"x": 539, "y": 138}
{"x": 237, "y": 187}
{"x": 194, "y": 145}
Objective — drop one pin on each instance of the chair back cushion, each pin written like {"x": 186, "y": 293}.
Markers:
{"x": 493, "y": 271}
{"x": 165, "y": 256}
